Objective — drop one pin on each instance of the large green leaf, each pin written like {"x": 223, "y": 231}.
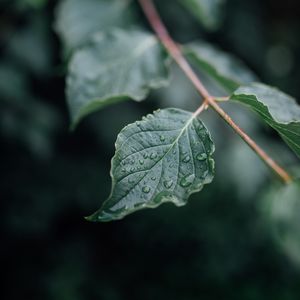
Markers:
{"x": 163, "y": 158}
{"x": 281, "y": 209}
{"x": 208, "y": 12}
{"x": 115, "y": 66}
{"x": 228, "y": 71}
{"x": 277, "y": 109}
{"x": 77, "y": 20}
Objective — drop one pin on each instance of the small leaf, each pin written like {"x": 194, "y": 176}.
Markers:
{"x": 228, "y": 71}
{"x": 163, "y": 158}
{"x": 277, "y": 109}
{"x": 281, "y": 209}
{"x": 77, "y": 20}
{"x": 115, "y": 66}
{"x": 208, "y": 12}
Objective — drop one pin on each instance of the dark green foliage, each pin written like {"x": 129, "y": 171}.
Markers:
{"x": 166, "y": 157}
{"x": 219, "y": 246}
{"x": 277, "y": 109}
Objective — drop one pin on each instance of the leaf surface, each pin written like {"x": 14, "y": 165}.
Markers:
{"x": 277, "y": 109}
{"x": 77, "y": 20}
{"x": 208, "y": 12}
{"x": 228, "y": 71}
{"x": 115, "y": 66}
{"x": 163, "y": 158}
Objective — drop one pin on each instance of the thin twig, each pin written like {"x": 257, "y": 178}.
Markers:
{"x": 173, "y": 49}
{"x": 203, "y": 107}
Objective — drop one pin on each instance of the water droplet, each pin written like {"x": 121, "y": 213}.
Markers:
{"x": 132, "y": 169}
{"x": 138, "y": 123}
{"x": 200, "y": 126}
{"x": 153, "y": 155}
{"x": 153, "y": 178}
{"x": 187, "y": 180}
{"x": 123, "y": 163}
{"x": 201, "y": 156}
{"x": 132, "y": 162}
{"x": 168, "y": 184}
{"x": 146, "y": 189}
{"x": 186, "y": 159}
{"x": 123, "y": 170}
{"x": 141, "y": 162}
{"x": 162, "y": 138}
{"x": 174, "y": 152}
{"x": 145, "y": 155}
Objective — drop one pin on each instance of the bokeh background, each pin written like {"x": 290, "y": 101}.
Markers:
{"x": 220, "y": 246}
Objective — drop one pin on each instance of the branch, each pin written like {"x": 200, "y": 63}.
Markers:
{"x": 172, "y": 48}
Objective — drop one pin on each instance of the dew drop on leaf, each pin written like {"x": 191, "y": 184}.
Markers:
{"x": 146, "y": 189}
{"x": 201, "y": 156}
{"x": 153, "y": 155}
{"x": 187, "y": 180}
{"x": 168, "y": 184}
{"x": 186, "y": 159}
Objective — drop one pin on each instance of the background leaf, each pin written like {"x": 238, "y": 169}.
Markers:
{"x": 229, "y": 72}
{"x": 164, "y": 158}
{"x": 77, "y": 20}
{"x": 208, "y": 12}
{"x": 115, "y": 66}
{"x": 281, "y": 207}
{"x": 277, "y": 109}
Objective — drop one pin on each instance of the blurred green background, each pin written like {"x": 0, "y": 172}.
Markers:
{"x": 219, "y": 246}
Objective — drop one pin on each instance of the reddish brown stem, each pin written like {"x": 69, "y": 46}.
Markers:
{"x": 173, "y": 49}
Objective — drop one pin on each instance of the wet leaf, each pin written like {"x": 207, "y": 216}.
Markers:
{"x": 163, "y": 158}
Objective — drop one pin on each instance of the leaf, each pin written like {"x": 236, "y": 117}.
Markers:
{"x": 277, "y": 109}
{"x": 163, "y": 158}
{"x": 208, "y": 12}
{"x": 225, "y": 69}
{"x": 77, "y": 20}
{"x": 115, "y": 66}
{"x": 281, "y": 208}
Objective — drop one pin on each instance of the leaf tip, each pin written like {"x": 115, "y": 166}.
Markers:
{"x": 100, "y": 216}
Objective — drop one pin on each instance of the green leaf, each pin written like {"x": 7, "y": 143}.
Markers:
{"x": 228, "y": 71}
{"x": 277, "y": 109}
{"x": 281, "y": 209}
{"x": 163, "y": 158}
{"x": 115, "y": 66}
{"x": 77, "y": 20}
{"x": 208, "y": 12}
